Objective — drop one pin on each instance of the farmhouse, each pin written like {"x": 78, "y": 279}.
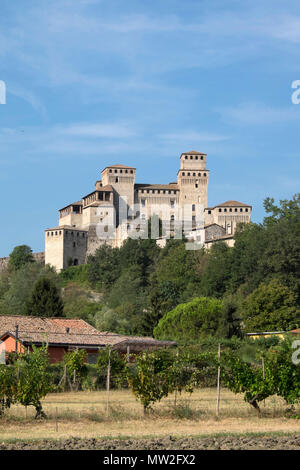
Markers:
{"x": 18, "y": 333}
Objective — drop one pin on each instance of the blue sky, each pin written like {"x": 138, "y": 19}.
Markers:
{"x": 98, "y": 82}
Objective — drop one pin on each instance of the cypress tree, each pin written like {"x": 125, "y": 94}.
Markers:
{"x": 45, "y": 300}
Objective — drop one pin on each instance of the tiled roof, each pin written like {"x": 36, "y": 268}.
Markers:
{"x": 78, "y": 203}
{"x": 120, "y": 166}
{"x": 80, "y": 333}
{"x": 232, "y": 203}
{"x": 193, "y": 152}
{"x": 107, "y": 187}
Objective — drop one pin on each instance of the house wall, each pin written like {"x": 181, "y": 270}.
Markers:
{"x": 10, "y": 345}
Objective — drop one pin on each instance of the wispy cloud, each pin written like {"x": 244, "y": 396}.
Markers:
{"x": 193, "y": 136}
{"x": 116, "y": 131}
{"x": 258, "y": 114}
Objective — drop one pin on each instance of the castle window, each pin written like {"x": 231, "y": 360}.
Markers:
{"x": 201, "y": 157}
{"x": 230, "y": 210}
{"x": 55, "y": 233}
{"x": 48, "y": 233}
{"x": 183, "y": 173}
{"x": 83, "y": 235}
{"x": 191, "y": 157}
{"x": 196, "y": 185}
{"x": 199, "y": 174}
{"x": 164, "y": 191}
{"x": 196, "y": 157}
{"x": 126, "y": 171}
{"x": 110, "y": 171}
{"x": 172, "y": 218}
{"x": 246, "y": 209}
{"x": 172, "y": 202}
{"x": 209, "y": 212}
{"x": 117, "y": 180}
{"x": 193, "y": 207}
{"x": 148, "y": 191}
{"x": 169, "y": 191}
{"x": 121, "y": 171}
{"x": 75, "y": 262}
{"x": 131, "y": 171}
{"x": 116, "y": 171}
{"x": 189, "y": 174}
{"x": 186, "y": 157}
{"x": 143, "y": 202}
{"x": 204, "y": 174}
{"x": 107, "y": 196}
{"x": 77, "y": 234}
{"x": 225, "y": 210}
{"x": 241, "y": 210}
{"x": 105, "y": 228}
{"x": 194, "y": 174}
{"x": 220, "y": 210}
{"x": 74, "y": 244}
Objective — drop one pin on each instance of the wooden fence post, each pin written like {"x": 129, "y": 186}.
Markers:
{"x": 263, "y": 371}
{"x": 218, "y": 380}
{"x": 108, "y": 384}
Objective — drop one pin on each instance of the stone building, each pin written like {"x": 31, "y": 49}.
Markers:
{"x": 119, "y": 208}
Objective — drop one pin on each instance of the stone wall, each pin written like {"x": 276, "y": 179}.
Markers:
{"x": 38, "y": 257}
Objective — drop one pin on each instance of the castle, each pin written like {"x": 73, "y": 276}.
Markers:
{"x": 118, "y": 208}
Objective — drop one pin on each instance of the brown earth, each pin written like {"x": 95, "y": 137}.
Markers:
{"x": 288, "y": 442}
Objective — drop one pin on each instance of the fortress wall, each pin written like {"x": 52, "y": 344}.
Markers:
{"x": 38, "y": 257}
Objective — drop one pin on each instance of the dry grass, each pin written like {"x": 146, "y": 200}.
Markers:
{"x": 83, "y": 414}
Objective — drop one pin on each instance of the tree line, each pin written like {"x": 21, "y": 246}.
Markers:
{"x": 172, "y": 292}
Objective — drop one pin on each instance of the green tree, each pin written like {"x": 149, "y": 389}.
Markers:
{"x": 103, "y": 267}
{"x": 191, "y": 321}
{"x": 8, "y": 387}
{"x": 215, "y": 280}
{"x": 271, "y": 307}
{"x": 75, "y": 361}
{"x": 34, "y": 379}
{"x": 18, "y": 286}
{"x": 45, "y": 300}
{"x": 148, "y": 377}
{"x": 20, "y": 256}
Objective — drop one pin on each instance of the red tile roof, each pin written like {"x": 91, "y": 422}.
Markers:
{"x": 70, "y": 332}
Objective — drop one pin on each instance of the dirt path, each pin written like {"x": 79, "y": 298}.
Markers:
{"x": 288, "y": 442}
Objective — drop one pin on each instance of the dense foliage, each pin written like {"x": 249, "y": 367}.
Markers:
{"x": 191, "y": 321}
{"x": 45, "y": 300}
{"x": 134, "y": 289}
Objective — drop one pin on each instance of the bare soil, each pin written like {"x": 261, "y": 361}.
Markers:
{"x": 271, "y": 442}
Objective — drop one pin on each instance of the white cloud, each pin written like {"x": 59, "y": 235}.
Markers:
{"x": 193, "y": 136}
{"x": 258, "y": 114}
{"x": 116, "y": 131}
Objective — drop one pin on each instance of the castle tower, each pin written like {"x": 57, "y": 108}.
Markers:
{"x": 193, "y": 181}
{"x": 122, "y": 179}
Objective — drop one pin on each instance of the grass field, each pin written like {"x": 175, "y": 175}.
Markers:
{"x": 83, "y": 414}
